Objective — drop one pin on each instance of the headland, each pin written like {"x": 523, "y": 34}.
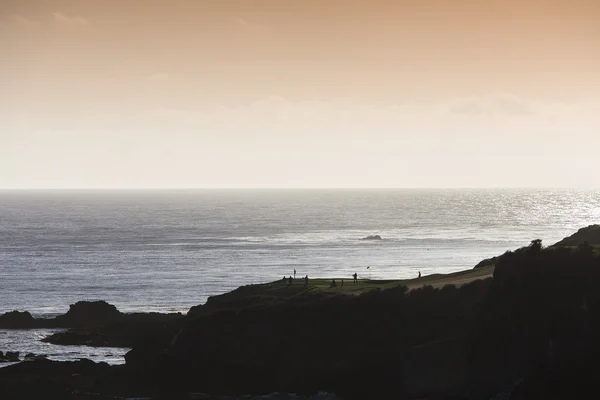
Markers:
{"x": 522, "y": 325}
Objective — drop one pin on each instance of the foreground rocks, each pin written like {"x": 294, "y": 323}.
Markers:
{"x": 10, "y": 356}
{"x": 14, "y": 356}
{"x": 86, "y": 380}
{"x": 43, "y": 379}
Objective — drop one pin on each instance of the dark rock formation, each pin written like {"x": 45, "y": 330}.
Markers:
{"x": 127, "y": 330}
{"x": 81, "y": 337}
{"x": 88, "y": 314}
{"x": 372, "y": 237}
{"x": 10, "y": 356}
{"x": 98, "y": 324}
{"x": 34, "y": 357}
{"x": 83, "y": 314}
{"x": 18, "y": 320}
{"x": 589, "y": 235}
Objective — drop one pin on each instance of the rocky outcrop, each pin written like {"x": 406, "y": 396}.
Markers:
{"x": 80, "y": 337}
{"x": 34, "y": 357}
{"x": 14, "y": 356}
{"x": 10, "y": 356}
{"x": 589, "y": 235}
{"x": 99, "y": 324}
{"x": 86, "y": 314}
{"x": 372, "y": 237}
{"x": 83, "y": 314}
{"x": 18, "y": 320}
{"x": 128, "y": 330}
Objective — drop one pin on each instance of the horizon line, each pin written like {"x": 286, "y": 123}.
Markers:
{"x": 7, "y": 189}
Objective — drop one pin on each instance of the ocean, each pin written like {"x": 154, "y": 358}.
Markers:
{"x": 165, "y": 251}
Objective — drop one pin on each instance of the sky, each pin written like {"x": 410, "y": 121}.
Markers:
{"x": 299, "y": 93}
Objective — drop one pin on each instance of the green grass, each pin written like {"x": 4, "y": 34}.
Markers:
{"x": 269, "y": 293}
{"x": 279, "y": 288}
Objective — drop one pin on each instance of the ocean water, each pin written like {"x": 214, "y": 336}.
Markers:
{"x": 168, "y": 250}
{"x": 29, "y": 341}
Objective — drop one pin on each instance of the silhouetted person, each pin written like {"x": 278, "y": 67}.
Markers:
{"x": 294, "y": 273}
{"x": 342, "y": 285}
{"x": 290, "y": 281}
{"x": 333, "y": 284}
{"x": 306, "y": 280}
{"x": 355, "y": 276}
{"x": 284, "y": 279}
{"x": 419, "y": 274}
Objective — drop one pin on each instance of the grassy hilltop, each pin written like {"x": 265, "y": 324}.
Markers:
{"x": 279, "y": 291}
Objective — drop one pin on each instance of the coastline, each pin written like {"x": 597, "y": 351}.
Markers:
{"x": 80, "y": 325}
{"x": 511, "y": 326}
{"x": 91, "y": 247}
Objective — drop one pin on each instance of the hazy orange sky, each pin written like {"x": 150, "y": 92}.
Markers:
{"x": 299, "y": 93}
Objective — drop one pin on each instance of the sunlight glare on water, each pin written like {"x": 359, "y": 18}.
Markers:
{"x": 169, "y": 250}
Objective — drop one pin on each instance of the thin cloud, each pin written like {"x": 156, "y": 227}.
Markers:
{"x": 468, "y": 107}
{"x": 242, "y": 22}
{"x": 69, "y": 21}
{"x": 497, "y": 103}
{"x": 511, "y": 104}
{"x": 249, "y": 26}
{"x": 23, "y": 22}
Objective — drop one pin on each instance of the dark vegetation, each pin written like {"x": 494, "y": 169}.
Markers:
{"x": 589, "y": 234}
{"x": 529, "y": 331}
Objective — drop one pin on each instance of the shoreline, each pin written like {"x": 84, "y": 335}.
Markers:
{"x": 66, "y": 330}
{"x": 184, "y": 309}
{"x": 515, "y": 324}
